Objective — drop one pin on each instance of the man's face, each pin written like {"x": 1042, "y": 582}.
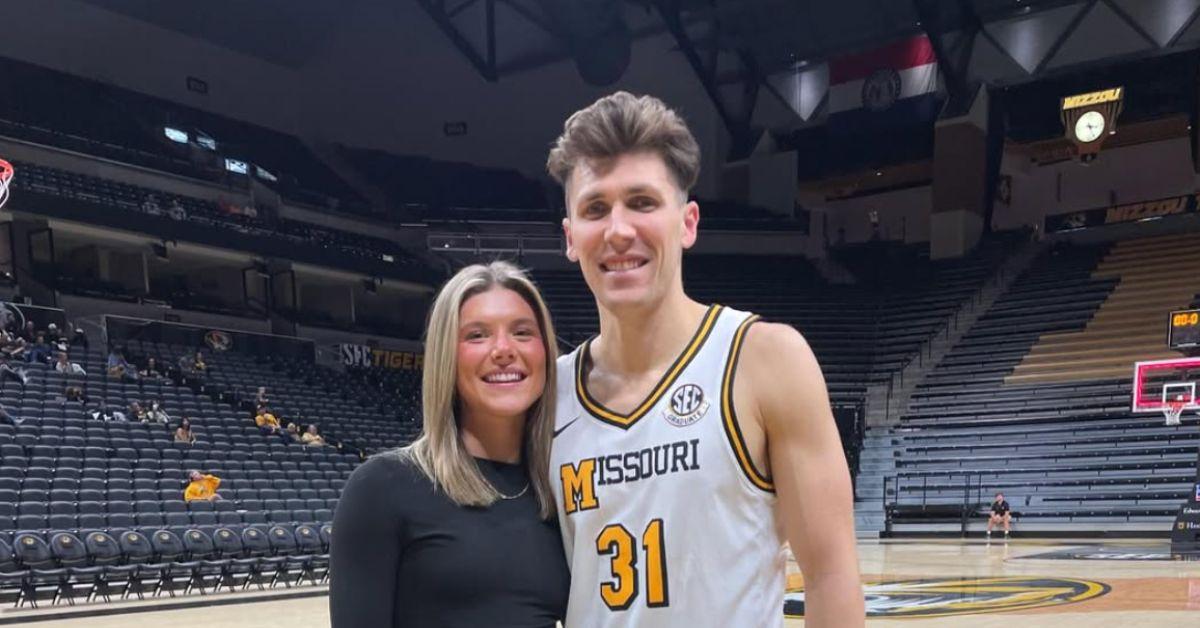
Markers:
{"x": 627, "y": 225}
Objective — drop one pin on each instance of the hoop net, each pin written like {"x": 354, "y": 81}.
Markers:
{"x": 1173, "y": 409}
{"x": 6, "y": 177}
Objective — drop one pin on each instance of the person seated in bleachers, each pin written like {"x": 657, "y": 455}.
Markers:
{"x": 202, "y": 487}
{"x": 137, "y": 412}
{"x": 28, "y": 333}
{"x": 193, "y": 363}
{"x": 76, "y": 394}
{"x": 260, "y": 397}
{"x": 312, "y": 438}
{"x": 1000, "y": 514}
{"x": 11, "y": 372}
{"x": 267, "y": 423}
{"x": 65, "y": 366}
{"x": 293, "y": 433}
{"x": 183, "y": 433}
{"x": 52, "y": 333}
{"x": 11, "y": 345}
{"x": 78, "y": 339}
{"x": 38, "y": 352}
{"x": 157, "y": 414}
{"x": 118, "y": 367}
{"x": 102, "y": 412}
{"x": 150, "y": 372}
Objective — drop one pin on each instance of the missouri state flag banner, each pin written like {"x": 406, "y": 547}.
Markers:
{"x": 893, "y": 84}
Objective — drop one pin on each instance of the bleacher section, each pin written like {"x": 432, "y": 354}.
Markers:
{"x": 1068, "y": 455}
{"x": 57, "y": 109}
{"x": 64, "y": 194}
{"x": 64, "y": 470}
{"x": 1154, "y": 276}
{"x": 861, "y": 334}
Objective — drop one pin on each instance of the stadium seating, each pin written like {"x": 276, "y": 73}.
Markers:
{"x": 69, "y": 476}
{"x": 1067, "y": 453}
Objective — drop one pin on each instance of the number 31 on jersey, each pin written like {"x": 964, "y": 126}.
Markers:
{"x": 621, "y": 592}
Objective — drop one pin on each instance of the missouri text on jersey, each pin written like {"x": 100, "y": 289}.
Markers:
{"x": 579, "y": 480}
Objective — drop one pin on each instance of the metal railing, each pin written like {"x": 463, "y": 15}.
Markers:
{"x": 971, "y": 496}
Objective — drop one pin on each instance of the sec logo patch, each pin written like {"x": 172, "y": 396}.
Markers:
{"x": 687, "y": 406}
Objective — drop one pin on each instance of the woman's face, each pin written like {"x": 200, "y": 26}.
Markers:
{"x": 501, "y": 359}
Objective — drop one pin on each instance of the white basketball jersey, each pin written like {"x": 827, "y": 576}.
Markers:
{"x": 665, "y": 520}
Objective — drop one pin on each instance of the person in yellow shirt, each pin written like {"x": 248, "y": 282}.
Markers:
{"x": 202, "y": 487}
{"x": 311, "y": 437}
{"x": 267, "y": 423}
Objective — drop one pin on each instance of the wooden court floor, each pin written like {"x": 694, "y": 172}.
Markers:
{"x": 928, "y": 583}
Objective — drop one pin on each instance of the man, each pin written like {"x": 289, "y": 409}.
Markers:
{"x": 202, "y": 487}
{"x": 1002, "y": 514}
{"x": 691, "y": 442}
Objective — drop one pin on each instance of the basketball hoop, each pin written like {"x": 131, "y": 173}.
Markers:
{"x": 6, "y": 176}
{"x": 1173, "y": 409}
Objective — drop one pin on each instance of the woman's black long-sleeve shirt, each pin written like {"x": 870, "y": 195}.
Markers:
{"x": 404, "y": 555}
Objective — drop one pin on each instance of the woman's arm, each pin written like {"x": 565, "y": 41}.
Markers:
{"x": 366, "y": 547}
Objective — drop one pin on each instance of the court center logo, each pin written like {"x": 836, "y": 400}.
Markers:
{"x": 687, "y": 406}
{"x": 962, "y": 596}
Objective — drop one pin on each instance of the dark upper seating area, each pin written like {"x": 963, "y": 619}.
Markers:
{"x": 1066, "y": 454}
{"x": 48, "y": 107}
{"x": 447, "y": 191}
{"x": 66, "y": 194}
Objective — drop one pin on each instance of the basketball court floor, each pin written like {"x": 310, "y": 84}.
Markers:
{"x": 929, "y": 583}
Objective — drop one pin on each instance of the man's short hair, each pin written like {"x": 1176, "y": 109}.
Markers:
{"x": 622, "y": 123}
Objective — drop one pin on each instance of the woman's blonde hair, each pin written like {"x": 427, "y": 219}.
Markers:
{"x": 439, "y": 452}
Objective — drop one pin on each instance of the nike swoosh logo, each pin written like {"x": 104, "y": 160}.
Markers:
{"x": 563, "y": 428}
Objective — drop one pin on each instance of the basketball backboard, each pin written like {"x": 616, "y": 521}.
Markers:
{"x": 1157, "y": 383}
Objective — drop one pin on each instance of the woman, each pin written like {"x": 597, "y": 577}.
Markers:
{"x": 457, "y": 529}
{"x": 311, "y": 437}
{"x": 183, "y": 433}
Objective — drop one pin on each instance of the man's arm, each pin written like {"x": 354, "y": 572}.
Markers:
{"x": 808, "y": 469}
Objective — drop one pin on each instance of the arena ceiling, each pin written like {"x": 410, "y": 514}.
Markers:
{"x": 736, "y": 48}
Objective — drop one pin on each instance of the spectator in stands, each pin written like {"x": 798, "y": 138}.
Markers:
{"x": 150, "y": 205}
{"x": 202, "y": 487}
{"x": 65, "y": 366}
{"x": 138, "y": 413}
{"x": 193, "y": 363}
{"x": 183, "y": 433}
{"x": 312, "y": 438}
{"x": 28, "y": 332}
{"x": 39, "y": 352}
{"x": 176, "y": 211}
{"x": 267, "y": 423}
{"x": 293, "y": 433}
{"x": 11, "y": 372}
{"x": 75, "y": 393}
{"x": 52, "y": 335}
{"x": 78, "y": 339}
{"x": 104, "y": 413}
{"x": 118, "y": 367}
{"x": 157, "y": 414}
{"x": 11, "y": 345}
{"x": 260, "y": 397}
{"x": 1000, "y": 514}
{"x": 486, "y": 449}
{"x": 150, "y": 372}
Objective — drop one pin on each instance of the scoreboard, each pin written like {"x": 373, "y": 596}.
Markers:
{"x": 1184, "y": 330}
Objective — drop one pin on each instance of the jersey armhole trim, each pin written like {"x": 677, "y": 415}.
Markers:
{"x": 733, "y": 432}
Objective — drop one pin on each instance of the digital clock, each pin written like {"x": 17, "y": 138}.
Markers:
{"x": 1184, "y": 330}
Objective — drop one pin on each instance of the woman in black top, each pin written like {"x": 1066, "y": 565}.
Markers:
{"x": 458, "y": 530}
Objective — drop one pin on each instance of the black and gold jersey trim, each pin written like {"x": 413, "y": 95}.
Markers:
{"x": 732, "y": 430}
{"x": 625, "y": 421}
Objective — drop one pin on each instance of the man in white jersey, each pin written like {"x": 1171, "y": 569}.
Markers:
{"x": 690, "y": 442}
